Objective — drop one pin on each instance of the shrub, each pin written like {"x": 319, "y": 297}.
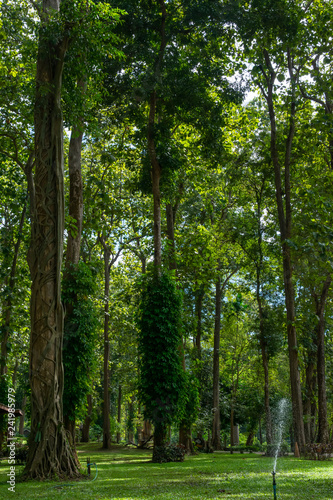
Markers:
{"x": 95, "y": 432}
{"x": 319, "y": 451}
{"x": 168, "y": 453}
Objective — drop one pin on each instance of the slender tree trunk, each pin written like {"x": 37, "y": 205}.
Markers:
{"x": 106, "y": 393}
{"x": 119, "y": 412}
{"x": 7, "y": 305}
{"x": 198, "y": 311}
{"x": 310, "y": 384}
{"x": 74, "y": 235}
{"x": 263, "y": 342}
{"x": 49, "y": 453}
{"x": 216, "y": 434}
{"x": 232, "y": 424}
{"x": 156, "y": 177}
{"x": 323, "y": 435}
{"x": 87, "y": 420}
{"x": 285, "y": 219}
{"x": 170, "y": 216}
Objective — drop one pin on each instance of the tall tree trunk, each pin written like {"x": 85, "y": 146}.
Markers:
{"x": 156, "y": 177}
{"x": 310, "y": 385}
{"x": 285, "y": 219}
{"x": 263, "y": 342}
{"x": 323, "y": 434}
{"x": 119, "y": 412}
{"x": 171, "y": 216}
{"x": 185, "y": 433}
{"x": 232, "y": 424}
{"x": 74, "y": 235}
{"x": 49, "y": 453}
{"x": 106, "y": 392}
{"x": 87, "y": 420}
{"x": 216, "y": 434}
{"x": 198, "y": 312}
{"x": 7, "y": 304}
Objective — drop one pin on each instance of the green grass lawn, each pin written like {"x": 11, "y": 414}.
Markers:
{"x": 125, "y": 474}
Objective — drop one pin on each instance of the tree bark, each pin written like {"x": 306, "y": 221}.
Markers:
{"x": 216, "y": 434}
{"x": 49, "y": 453}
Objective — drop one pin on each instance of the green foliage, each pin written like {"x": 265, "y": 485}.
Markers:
{"x": 319, "y": 451}
{"x": 189, "y": 401}
{"x": 169, "y": 453}
{"x": 161, "y": 376}
{"x": 79, "y": 337}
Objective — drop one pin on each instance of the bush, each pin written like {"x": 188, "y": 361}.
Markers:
{"x": 242, "y": 447}
{"x": 95, "y": 432}
{"x": 21, "y": 453}
{"x": 169, "y": 453}
{"x": 319, "y": 451}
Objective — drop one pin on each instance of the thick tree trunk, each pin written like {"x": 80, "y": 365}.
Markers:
{"x": 283, "y": 201}
{"x": 106, "y": 393}
{"x": 87, "y": 421}
{"x": 216, "y": 434}
{"x": 49, "y": 452}
{"x": 119, "y": 412}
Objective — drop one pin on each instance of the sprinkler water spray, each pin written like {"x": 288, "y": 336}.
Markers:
{"x": 274, "y": 484}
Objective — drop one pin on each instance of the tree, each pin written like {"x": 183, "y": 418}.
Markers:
{"x": 49, "y": 451}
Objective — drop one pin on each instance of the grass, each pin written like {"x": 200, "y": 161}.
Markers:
{"x": 128, "y": 474}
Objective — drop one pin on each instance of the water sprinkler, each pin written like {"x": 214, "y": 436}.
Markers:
{"x": 274, "y": 484}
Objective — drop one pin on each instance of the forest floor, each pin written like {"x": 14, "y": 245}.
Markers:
{"x": 129, "y": 474}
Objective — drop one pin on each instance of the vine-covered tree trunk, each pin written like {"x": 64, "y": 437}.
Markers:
{"x": 216, "y": 434}
{"x": 49, "y": 450}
